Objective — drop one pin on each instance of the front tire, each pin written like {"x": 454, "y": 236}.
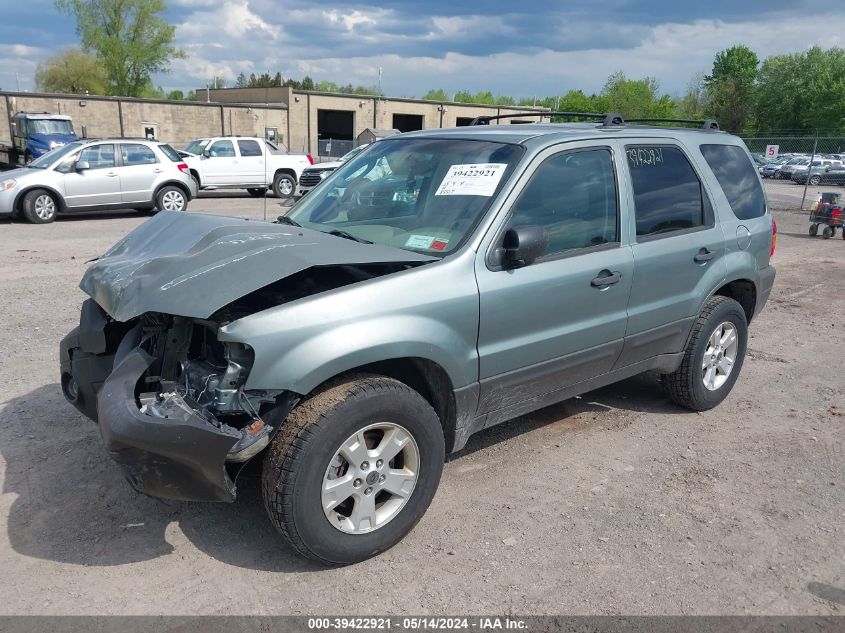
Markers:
{"x": 353, "y": 469}
{"x": 814, "y": 230}
{"x": 713, "y": 357}
{"x": 171, "y": 199}
{"x": 827, "y": 232}
{"x": 39, "y": 206}
{"x": 284, "y": 186}
{"x": 815, "y": 180}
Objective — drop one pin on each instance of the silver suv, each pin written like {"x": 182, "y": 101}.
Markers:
{"x": 433, "y": 286}
{"x": 98, "y": 175}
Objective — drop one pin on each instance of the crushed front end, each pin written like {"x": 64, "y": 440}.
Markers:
{"x": 169, "y": 400}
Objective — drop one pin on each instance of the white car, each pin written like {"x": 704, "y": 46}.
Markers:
{"x": 313, "y": 176}
{"x": 245, "y": 162}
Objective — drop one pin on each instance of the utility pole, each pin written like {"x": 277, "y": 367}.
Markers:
{"x": 810, "y": 170}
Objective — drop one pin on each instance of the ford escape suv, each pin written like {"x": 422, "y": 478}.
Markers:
{"x": 437, "y": 284}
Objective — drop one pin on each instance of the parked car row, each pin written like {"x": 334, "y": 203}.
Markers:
{"x": 100, "y": 174}
{"x": 792, "y": 166}
{"x": 146, "y": 175}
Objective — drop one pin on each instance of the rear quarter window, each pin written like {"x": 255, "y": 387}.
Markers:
{"x": 170, "y": 153}
{"x": 738, "y": 179}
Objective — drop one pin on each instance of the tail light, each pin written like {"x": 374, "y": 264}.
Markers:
{"x": 774, "y": 237}
{"x": 183, "y": 168}
{"x": 310, "y": 159}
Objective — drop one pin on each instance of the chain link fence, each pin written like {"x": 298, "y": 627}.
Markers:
{"x": 796, "y": 170}
{"x": 334, "y": 148}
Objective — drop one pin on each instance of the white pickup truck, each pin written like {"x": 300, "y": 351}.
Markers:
{"x": 245, "y": 162}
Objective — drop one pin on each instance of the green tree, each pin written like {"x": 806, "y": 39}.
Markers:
{"x": 176, "y": 95}
{"x": 636, "y": 98}
{"x": 693, "y": 105}
{"x": 241, "y": 81}
{"x": 436, "y": 94}
{"x": 730, "y": 86}
{"x": 802, "y": 92}
{"x": 129, "y": 37}
{"x": 71, "y": 71}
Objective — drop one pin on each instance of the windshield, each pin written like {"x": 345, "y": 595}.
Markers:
{"x": 420, "y": 194}
{"x": 276, "y": 149}
{"x": 52, "y": 158}
{"x": 352, "y": 154}
{"x": 196, "y": 147}
{"x": 50, "y": 126}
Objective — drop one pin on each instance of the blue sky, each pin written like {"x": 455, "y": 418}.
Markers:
{"x": 542, "y": 49}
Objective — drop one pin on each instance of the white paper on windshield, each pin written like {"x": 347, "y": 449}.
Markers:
{"x": 471, "y": 180}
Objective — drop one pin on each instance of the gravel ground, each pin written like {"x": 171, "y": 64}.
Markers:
{"x": 616, "y": 502}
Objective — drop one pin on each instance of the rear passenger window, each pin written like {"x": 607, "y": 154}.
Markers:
{"x": 137, "y": 155}
{"x": 249, "y": 148}
{"x": 667, "y": 192}
{"x": 737, "y": 178}
{"x": 572, "y": 196}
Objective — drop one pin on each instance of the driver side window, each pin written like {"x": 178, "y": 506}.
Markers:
{"x": 98, "y": 156}
{"x": 222, "y": 149}
{"x": 572, "y": 196}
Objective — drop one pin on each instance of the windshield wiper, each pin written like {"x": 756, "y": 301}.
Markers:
{"x": 283, "y": 219}
{"x": 347, "y": 235}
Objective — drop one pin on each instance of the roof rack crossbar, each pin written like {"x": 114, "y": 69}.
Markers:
{"x": 610, "y": 119}
{"x": 485, "y": 119}
{"x": 705, "y": 124}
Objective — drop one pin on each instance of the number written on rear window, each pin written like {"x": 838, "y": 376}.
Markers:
{"x": 667, "y": 192}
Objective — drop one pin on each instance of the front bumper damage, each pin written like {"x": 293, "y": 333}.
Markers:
{"x": 168, "y": 444}
{"x": 163, "y": 457}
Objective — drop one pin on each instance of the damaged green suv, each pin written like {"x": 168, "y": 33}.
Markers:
{"x": 437, "y": 284}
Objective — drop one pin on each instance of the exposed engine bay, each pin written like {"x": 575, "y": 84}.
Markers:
{"x": 195, "y": 374}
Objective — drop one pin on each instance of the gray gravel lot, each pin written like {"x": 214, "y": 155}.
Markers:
{"x": 616, "y": 502}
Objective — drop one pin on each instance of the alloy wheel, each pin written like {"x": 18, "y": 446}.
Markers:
{"x": 719, "y": 356}
{"x": 370, "y": 478}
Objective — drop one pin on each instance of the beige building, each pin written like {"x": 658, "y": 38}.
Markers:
{"x": 304, "y": 121}
{"x": 176, "y": 122}
{"x": 315, "y": 117}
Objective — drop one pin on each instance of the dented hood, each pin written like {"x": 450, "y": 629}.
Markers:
{"x": 192, "y": 264}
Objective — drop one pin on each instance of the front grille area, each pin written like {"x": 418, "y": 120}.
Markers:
{"x": 310, "y": 178}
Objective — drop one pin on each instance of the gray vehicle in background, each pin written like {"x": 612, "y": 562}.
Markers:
{"x": 96, "y": 175}
{"x": 437, "y": 284}
{"x": 313, "y": 176}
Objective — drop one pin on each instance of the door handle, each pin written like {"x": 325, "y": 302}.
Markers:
{"x": 158, "y": 171}
{"x": 606, "y": 278}
{"x": 704, "y": 255}
{"x": 111, "y": 174}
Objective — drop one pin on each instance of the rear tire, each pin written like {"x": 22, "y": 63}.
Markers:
{"x": 284, "y": 186}
{"x": 814, "y": 180}
{"x": 827, "y": 232}
{"x": 39, "y": 206}
{"x": 257, "y": 192}
{"x": 171, "y": 199}
{"x": 712, "y": 360}
{"x": 360, "y": 518}
{"x": 814, "y": 230}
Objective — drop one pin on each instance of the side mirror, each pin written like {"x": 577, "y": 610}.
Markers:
{"x": 14, "y": 129}
{"x": 523, "y": 245}
{"x": 81, "y": 165}
{"x": 206, "y": 153}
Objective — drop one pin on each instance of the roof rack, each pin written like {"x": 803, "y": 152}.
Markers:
{"x": 611, "y": 119}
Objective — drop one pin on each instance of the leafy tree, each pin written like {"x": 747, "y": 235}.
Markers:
{"x": 129, "y": 37}
{"x": 693, "y": 105}
{"x": 730, "y": 86}
{"x": 241, "y": 81}
{"x": 217, "y": 83}
{"x": 802, "y": 92}
{"x": 436, "y": 94}
{"x": 176, "y": 95}
{"x": 636, "y": 98}
{"x": 71, "y": 71}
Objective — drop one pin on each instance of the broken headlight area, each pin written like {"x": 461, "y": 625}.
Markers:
{"x": 194, "y": 374}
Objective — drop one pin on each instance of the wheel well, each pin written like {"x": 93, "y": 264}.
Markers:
{"x": 18, "y": 205}
{"x": 196, "y": 176}
{"x": 743, "y": 292}
{"x": 286, "y": 170}
{"x": 172, "y": 183}
{"x": 428, "y": 379}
